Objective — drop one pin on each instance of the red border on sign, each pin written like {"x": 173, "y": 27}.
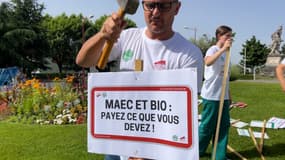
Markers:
{"x": 145, "y": 139}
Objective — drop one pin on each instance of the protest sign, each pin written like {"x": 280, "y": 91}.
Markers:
{"x": 144, "y": 114}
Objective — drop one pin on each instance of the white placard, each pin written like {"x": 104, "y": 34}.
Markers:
{"x": 237, "y": 123}
{"x": 245, "y": 132}
{"x": 144, "y": 114}
{"x": 277, "y": 122}
{"x": 256, "y": 123}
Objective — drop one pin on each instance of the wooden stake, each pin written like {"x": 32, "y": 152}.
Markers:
{"x": 138, "y": 65}
{"x": 235, "y": 121}
{"x": 222, "y": 98}
{"x": 235, "y": 152}
{"x": 255, "y": 143}
{"x": 262, "y": 136}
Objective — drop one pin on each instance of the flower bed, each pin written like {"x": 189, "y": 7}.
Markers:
{"x": 60, "y": 102}
{"x": 4, "y": 111}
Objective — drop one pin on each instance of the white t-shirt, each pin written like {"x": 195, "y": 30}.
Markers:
{"x": 213, "y": 74}
{"x": 174, "y": 53}
{"x": 283, "y": 61}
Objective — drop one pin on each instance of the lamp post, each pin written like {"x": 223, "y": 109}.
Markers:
{"x": 244, "y": 62}
{"x": 193, "y": 29}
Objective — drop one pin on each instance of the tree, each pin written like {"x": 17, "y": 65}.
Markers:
{"x": 23, "y": 41}
{"x": 204, "y": 43}
{"x": 65, "y": 36}
{"x": 5, "y": 26}
{"x": 256, "y": 53}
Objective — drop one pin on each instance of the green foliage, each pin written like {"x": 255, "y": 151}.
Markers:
{"x": 131, "y": 24}
{"x": 22, "y": 40}
{"x": 256, "y": 53}
{"x": 235, "y": 73}
{"x": 204, "y": 43}
{"x": 27, "y": 38}
{"x": 99, "y": 22}
{"x": 49, "y": 76}
{"x": 65, "y": 35}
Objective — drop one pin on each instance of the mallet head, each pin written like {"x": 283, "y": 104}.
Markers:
{"x": 129, "y": 6}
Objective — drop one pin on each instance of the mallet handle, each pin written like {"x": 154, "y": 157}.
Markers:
{"x": 103, "y": 59}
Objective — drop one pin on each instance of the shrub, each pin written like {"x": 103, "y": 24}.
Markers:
{"x": 235, "y": 73}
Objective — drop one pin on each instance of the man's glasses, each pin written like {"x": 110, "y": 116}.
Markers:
{"x": 162, "y": 7}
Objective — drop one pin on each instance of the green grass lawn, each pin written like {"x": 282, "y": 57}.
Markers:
{"x": 69, "y": 142}
{"x": 264, "y": 100}
{"x": 44, "y": 142}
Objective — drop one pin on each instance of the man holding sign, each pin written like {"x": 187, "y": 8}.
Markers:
{"x": 155, "y": 47}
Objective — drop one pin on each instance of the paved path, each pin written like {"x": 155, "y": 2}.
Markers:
{"x": 260, "y": 80}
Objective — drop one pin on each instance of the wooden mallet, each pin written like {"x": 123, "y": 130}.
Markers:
{"x": 126, "y": 6}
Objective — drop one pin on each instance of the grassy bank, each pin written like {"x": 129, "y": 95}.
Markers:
{"x": 264, "y": 100}
{"x": 45, "y": 142}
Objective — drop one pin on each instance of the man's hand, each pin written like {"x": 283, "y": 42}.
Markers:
{"x": 112, "y": 27}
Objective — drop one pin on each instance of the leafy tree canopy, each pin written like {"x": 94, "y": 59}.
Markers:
{"x": 255, "y": 52}
{"x": 99, "y": 22}
{"x": 22, "y": 40}
{"x": 204, "y": 43}
{"x": 65, "y": 35}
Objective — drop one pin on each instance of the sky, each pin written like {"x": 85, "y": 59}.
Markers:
{"x": 247, "y": 18}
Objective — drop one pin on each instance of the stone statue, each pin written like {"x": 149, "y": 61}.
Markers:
{"x": 276, "y": 41}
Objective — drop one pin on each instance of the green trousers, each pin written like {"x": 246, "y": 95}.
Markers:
{"x": 207, "y": 128}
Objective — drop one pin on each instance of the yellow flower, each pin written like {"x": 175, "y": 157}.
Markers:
{"x": 56, "y": 79}
{"x": 69, "y": 79}
{"x": 36, "y": 85}
{"x": 28, "y": 83}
